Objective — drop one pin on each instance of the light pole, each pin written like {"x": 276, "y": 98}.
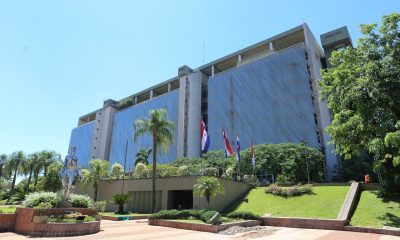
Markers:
{"x": 308, "y": 171}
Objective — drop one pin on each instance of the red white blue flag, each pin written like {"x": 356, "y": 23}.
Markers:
{"x": 238, "y": 149}
{"x": 205, "y": 139}
{"x": 253, "y": 158}
{"x": 228, "y": 149}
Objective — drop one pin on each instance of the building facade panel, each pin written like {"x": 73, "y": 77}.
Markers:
{"x": 266, "y": 101}
{"x": 123, "y": 130}
{"x": 81, "y": 138}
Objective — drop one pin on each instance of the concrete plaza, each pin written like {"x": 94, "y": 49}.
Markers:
{"x": 140, "y": 230}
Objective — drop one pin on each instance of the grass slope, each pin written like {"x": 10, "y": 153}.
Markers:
{"x": 373, "y": 211}
{"x": 324, "y": 203}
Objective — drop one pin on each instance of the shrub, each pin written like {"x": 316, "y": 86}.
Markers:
{"x": 80, "y": 201}
{"x": 203, "y": 215}
{"x": 34, "y": 199}
{"x": 183, "y": 171}
{"x": 243, "y": 215}
{"x": 100, "y": 206}
{"x": 292, "y": 191}
{"x": 120, "y": 200}
{"x": 211, "y": 171}
{"x": 42, "y": 208}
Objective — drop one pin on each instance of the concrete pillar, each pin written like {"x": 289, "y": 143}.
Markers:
{"x": 135, "y": 100}
{"x": 102, "y": 133}
{"x": 239, "y": 59}
{"x": 169, "y": 87}
{"x": 151, "y": 94}
{"x": 271, "y": 47}
{"x": 212, "y": 70}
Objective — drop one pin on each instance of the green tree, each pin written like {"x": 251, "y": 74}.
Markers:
{"x": 3, "y": 159}
{"x": 28, "y": 167}
{"x": 52, "y": 181}
{"x": 142, "y": 156}
{"x": 161, "y": 130}
{"x": 98, "y": 169}
{"x": 14, "y": 165}
{"x": 363, "y": 93}
{"x": 207, "y": 187}
{"x": 117, "y": 171}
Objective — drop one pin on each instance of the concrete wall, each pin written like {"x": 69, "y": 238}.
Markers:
{"x": 267, "y": 100}
{"x": 140, "y": 189}
{"x": 81, "y": 138}
{"x": 314, "y": 52}
{"x": 123, "y": 130}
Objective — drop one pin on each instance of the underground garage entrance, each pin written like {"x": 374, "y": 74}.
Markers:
{"x": 180, "y": 199}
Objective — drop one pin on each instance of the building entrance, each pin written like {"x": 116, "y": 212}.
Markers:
{"x": 180, "y": 199}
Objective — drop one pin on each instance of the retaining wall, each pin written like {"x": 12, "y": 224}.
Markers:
{"x": 7, "y": 222}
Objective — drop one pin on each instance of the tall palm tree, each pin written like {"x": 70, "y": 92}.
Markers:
{"x": 207, "y": 187}
{"x": 3, "y": 159}
{"x": 162, "y": 131}
{"x": 28, "y": 167}
{"x": 45, "y": 158}
{"x": 142, "y": 156}
{"x": 14, "y": 164}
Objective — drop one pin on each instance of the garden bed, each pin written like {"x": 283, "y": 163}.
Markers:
{"x": 203, "y": 227}
{"x": 24, "y": 224}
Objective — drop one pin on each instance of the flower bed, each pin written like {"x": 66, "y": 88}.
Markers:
{"x": 24, "y": 224}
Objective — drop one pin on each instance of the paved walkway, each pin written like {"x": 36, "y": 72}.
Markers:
{"x": 139, "y": 230}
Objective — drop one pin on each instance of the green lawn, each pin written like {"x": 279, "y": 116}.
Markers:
{"x": 112, "y": 214}
{"x": 7, "y": 209}
{"x": 324, "y": 203}
{"x": 373, "y": 211}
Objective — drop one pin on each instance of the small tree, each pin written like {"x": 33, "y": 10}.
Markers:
{"x": 120, "y": 200}
{"x": 140, "y": 169}
{"x": 98, "y": 169}
{"x": 117, "y": 171}
{"x": 52, "y": 182}
{"x": 207, "y": 187}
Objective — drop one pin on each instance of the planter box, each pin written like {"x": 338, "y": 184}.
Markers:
{"x": 202, "y": 227}
{"x": 7, "y": 222}
{"x": 24, "y": 223}
{"x": 40, "y": 219}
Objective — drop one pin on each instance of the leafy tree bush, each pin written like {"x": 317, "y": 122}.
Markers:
{"x": 141, "y": 170}
{"x": 243, "y": 215}
{"x": 362, "y": 91}
{"x": 117, "y": 171}
{"x": 80, "y": 201}
{"x": 292, "y": 191}
{"x": 203, "y": 215}
{"x": 52, "y": 182}
{"x": 42, "y": 208}
{"x": 98, "y": 170}
{"x": 100, "y": 206}
{"x": 34, "y": 199}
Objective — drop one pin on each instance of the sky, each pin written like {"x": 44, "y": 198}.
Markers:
{"x": 61, "y": 59}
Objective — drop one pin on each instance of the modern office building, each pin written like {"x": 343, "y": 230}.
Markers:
{"x": 267, "y": 93}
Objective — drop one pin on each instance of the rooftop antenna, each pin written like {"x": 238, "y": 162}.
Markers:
{"x": 204, "y": 46}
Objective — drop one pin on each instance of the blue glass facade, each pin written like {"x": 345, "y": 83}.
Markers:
{"x": 267, "y": 100}
{"x": 81, "y": 138}
{"x": 123, "y": 130}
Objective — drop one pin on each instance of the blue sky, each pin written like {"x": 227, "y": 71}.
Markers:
{"x": 62, "y": 59}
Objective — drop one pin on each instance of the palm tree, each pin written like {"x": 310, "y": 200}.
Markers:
{"x": 98, "y": 169}
{"x": 14, "y": 165}
{"x": 207, "y": 187}
{"x": 45, "y": 158}
{"x": 142, "y": 156}
{"x": 28, "y": 166}
{"x": 162, "y": 132}
{"x": 3, "y": 159}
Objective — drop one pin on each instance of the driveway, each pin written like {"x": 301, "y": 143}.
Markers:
{"x": 139, "y": 230}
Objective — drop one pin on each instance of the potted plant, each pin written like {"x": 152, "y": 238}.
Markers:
{"x": 41, "y": 209}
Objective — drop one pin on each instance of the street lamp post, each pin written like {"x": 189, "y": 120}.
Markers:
{"x": 308, "y": 171}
